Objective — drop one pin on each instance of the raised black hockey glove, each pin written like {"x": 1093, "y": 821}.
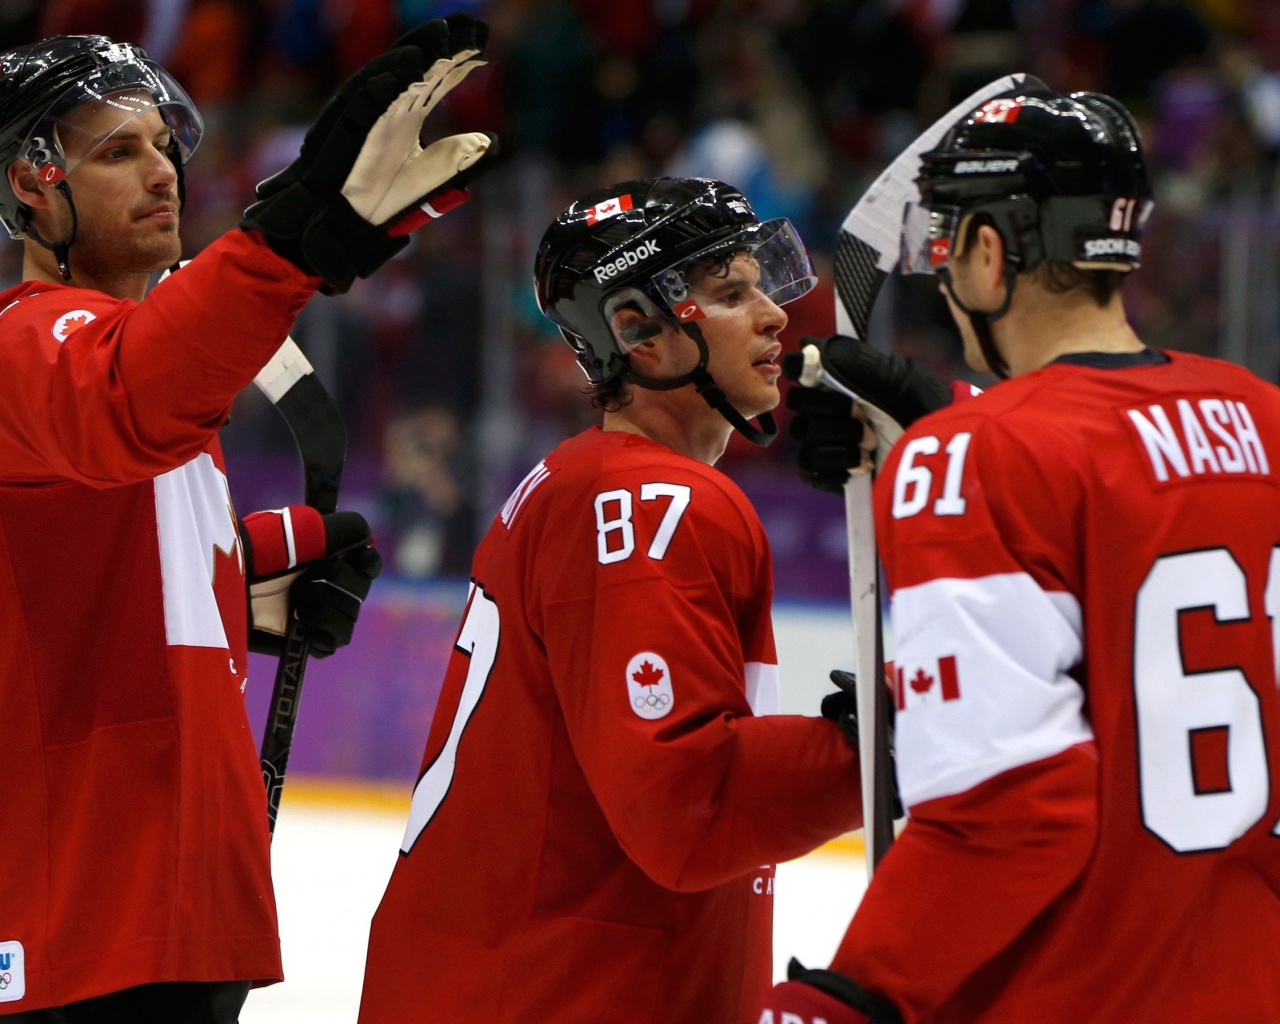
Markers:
{"x": 322, "y": 564}
{"x": 809, "y": 996}
{"x": 893, "y": 389}
{"x": 363, "y": 180}
{"x": 841, "y": 707}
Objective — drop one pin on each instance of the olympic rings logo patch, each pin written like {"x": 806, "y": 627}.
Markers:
{"x": 649, "y": 685}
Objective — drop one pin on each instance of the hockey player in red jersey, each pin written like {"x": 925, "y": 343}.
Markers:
{"x": 1085, "y": 568}
{"x": 134, "y": 849}
{"x": 607, "y": 786}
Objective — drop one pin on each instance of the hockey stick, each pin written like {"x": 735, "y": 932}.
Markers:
{"x": 866, "y": 253}
{"x": 291, "y": 384}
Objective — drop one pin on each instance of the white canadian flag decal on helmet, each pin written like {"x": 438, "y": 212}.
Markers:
{"x": 649, "y": 685}
{"x": 609, "y": 208}
{"x": 1003, "y": 111}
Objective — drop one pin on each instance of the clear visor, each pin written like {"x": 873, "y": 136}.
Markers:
{"x": 928, "y": 237}
{"x": 763, "y": 261}
{"x": 107, "y": 104}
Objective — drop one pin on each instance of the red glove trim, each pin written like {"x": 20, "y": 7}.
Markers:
{"x": 434, "y": 206}
{"x": 280, "y": 539}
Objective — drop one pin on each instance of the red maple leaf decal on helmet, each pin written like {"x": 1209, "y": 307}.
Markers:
{"x": 648, "y": 675}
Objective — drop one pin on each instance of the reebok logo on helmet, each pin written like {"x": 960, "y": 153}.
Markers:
{"x": 630, "y": 258}
{"x": 1127, "y": 247}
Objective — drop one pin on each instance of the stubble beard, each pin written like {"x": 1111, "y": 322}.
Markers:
{"x": 135, "y": 255}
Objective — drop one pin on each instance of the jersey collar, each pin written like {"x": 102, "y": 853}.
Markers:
{"x": 1113, "y": 360}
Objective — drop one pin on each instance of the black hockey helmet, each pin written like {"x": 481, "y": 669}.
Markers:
{"x": 41, "y": 82}
{"x": 1062, "y": 178}
{"x": 642, "y": 244}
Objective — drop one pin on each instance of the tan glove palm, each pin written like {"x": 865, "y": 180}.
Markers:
{"x": 394, "y": 179}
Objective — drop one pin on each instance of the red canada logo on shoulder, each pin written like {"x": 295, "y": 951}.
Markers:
{"x": 999, "y": 111}
{"x": 609, "y": 208}
{"x": 927, "y": 684}
{"x": 67, "y": 324}
{"x": 649, "y": 686}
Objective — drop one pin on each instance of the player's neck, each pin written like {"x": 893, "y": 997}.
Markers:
{"x": 38, "y": 264}
{"x": 679, "y": 419}
{"x": 1041, "y": 326}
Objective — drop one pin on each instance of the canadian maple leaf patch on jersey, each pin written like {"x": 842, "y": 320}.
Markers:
{"x": 649, "y": 685}
{"x": 67, "y": 324}
{"x": 937, "y": 680}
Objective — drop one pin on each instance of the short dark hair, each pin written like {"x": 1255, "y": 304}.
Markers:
{"x": 610, "y": 395}
{"x": 1061, "y": 277}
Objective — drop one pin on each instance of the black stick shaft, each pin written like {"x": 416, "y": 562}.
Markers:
{"x": 879, "y": 825}
{"x": 282, "y": 718}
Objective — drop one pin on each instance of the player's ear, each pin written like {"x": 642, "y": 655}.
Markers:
{"x": 634, "y": 328}
{"x": 988, "y": 257}
{"x": 26, "y": 186}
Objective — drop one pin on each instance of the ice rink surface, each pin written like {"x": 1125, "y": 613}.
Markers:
{"x": 331, "y": 861}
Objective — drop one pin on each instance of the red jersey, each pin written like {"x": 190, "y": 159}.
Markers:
{"x": 1085, "y": 571}
{"x": 134, "y": 846}
{"x": 604, "y": 790}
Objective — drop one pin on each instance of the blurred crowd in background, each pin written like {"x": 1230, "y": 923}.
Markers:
{"x": 452, "y": 383}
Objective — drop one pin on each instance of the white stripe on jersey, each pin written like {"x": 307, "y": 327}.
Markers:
{"x": 193, "y": 519}
{"x": 764, "y": 693}
{"x": 521, "y": 494}
{"x": 1008, "y": 646}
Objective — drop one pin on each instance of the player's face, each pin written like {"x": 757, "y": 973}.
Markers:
{"x": 125, "y": 190}
{"x": 742, "y": 335}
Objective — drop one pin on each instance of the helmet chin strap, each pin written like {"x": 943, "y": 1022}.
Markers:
{"x": 706, "y": 386}
{"x": 61, "y": 250}
{"x": 982, "y": 322}
{"x": 762, "y": 435}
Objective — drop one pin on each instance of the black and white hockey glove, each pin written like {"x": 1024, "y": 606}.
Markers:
{"x": 323, "y": 565}
{"x": 841, "y": 707}
{"x": 363, "y": 180}
{"x": 894, "y": 390}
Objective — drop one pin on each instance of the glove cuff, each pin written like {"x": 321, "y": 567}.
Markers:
{"x": 876, "y": 1009}
{"x": 281, "y": 539}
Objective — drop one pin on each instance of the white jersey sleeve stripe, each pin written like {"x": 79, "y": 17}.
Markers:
{"x": 764, "y": 690}
{"x": 981, "y": 680}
